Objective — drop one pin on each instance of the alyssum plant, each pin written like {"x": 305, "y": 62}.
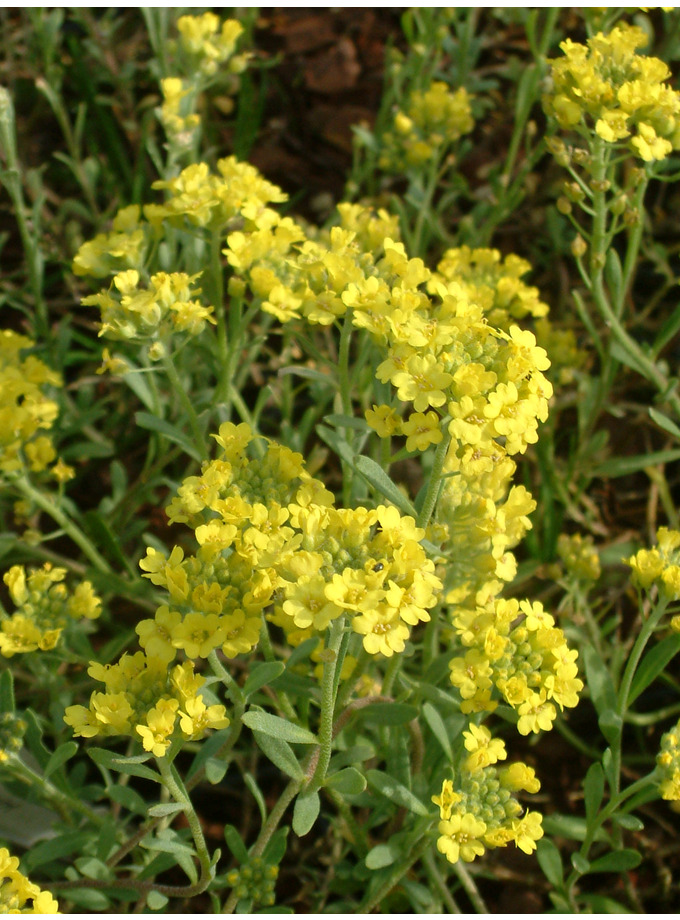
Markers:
{"x": 358, "y": 639}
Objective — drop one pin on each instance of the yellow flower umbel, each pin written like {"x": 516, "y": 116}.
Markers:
{"x": 668, "y": 767}
{"x": 18, "y": 895}
{"x": 579, "y": 556}
{"x": 147, "y": 701}
{"x": 516, "y": 649}
{"x": 478, "y": 810}
{"x": 25, "y": 410}
{"x": 660, "y": 565}
{"x": 271, "y": 540}
{"x": 166, "y": 307}
{"x": 426, "y": 127}
{"x": 45, "y": 607}
{"x": 606, "y": 87}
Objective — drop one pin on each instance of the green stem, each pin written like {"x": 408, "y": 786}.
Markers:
{"x": 434, "y": 482}
{"x": 648, "y": 627}
{"x": 440, "y": 883}
{"x": 63, "y": 803}
{"x": 69, "y": 527}
{"x": 173, "y": 783}
{"x": 332, "y": 662}
{"x": 267, "y": 832}
{"x": 233, "y": 690}
{"x": 178, "y": 387}
{"x": 10, "y": 177}
{"x": 470, "y": 888}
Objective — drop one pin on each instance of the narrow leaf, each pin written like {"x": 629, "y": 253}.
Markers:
{"x": 128, "y": 765}
{"x": 348, "y": 781}
{"x": 63, "y": 753}
{"x": 620, "y": 861}
{"x": 438, "y": 728}
{"x": 664, "y": 422}
{"x": 599, "y": 681}
{"x": 280, "y": 753}
{"x": 550, "y": 861}
{"x": 235, "y": 843}
{"x": 653, "y": 664}
{"x": 395, "y": 792}
{"x": 278, "y": 728}
{"x": 165, "y": 809}
{"x": 381, "y": 856}
{"x": 263, "y": 673}
{"x": 388, "y": 713}
{"x": 160, "y": 426}
{"x": 6, "y": 692}
{"x": 305, "y": 813}
{"x": 593, "y": 789}
{"x": 376, "y": 476}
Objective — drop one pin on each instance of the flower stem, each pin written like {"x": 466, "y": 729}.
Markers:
{"x": 69, "y": 527}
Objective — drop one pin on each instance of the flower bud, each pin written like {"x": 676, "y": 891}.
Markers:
{"x": 579, "y": 247}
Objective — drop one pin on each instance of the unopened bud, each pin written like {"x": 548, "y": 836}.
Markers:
{"x": 564, "y": 205}
{"x": 631, "y": 217}
{"x": 578, "y": 247}
{"x": 600, "y": 185}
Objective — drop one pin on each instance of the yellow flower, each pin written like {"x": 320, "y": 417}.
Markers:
{"x": 421, "y": 430}
{"x": 461, "y": 838}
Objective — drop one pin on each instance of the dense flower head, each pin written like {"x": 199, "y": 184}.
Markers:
{"x": 167, "y": 305}
{"x": 478, "y": 809}
{"x": 428, "y": 124}
{"x": 623, "y": 96}
{"x": 44, "y": 608}
{"x": 207, "y": 43}
{"x": 514, "y": 649}
{"x": 668, "y": 767}
{"x": 18, "y": 895}
{"x": 208, "y": 199}
{"x": 272, "y": 541}
{"x": 25, "y": 409}
{"x": 486, "y": 517}
{"x": 660, "y": 565}
{"x": 147, "y": 700}
{"x": 493, "y": 282}
{"x": 255, "y": 880}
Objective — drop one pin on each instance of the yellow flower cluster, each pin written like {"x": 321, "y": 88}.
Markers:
{"x": 204, "y": 46}
{"x": 147, "y": 701}
{"x": 660, "y": 565}
{"x": 154, "y": 313}
{"x": 45, "y": 607}
{"x": 579, "y": 556}
{"x": 480, "y": 811}
{"x": 122, "y": 248}
{"x": 209, "y": 200}
{"x": 493, "y": 282}
{"x": 668, "y": 767}
{"x": 209, "y": 44}
{"x": 270, "y": 537}
{"x": 25, "y": 410}
{"x": 430, "y": 122}
{"x": 516, "y": 649}
{"x": 256, "y": 880}
{"x": 196, "y": 197}
{"x": 18, "y": 895}
{"x": 442, "y": 353}
{"x": 623, "y": 96}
